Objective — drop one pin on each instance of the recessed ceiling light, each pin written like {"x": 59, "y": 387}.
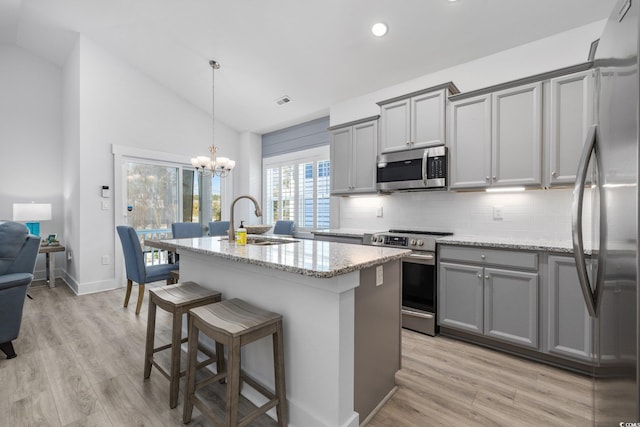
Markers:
{"x": 452, "y": 1}
{"x": 379, "y": 29}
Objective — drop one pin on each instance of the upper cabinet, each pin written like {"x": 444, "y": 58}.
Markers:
{"x": 353, "y": 157}
{"x": 570, "y": 115}
{"x": 415, "y": 120}
{"x": 496, "y": 138}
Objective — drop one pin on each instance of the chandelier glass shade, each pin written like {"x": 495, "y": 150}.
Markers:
{"x": 212, "y": 164}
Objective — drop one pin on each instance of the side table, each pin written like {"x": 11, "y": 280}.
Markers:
{"x": 51, "y": 261}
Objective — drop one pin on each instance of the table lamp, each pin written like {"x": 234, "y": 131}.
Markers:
{"x": 32, "y": 213}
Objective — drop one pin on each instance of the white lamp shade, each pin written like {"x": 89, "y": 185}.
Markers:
{"x": 32, "y": 212}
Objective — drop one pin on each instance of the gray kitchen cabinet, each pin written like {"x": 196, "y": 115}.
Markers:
{"x": 511, "y": 306}
{"x": 570, "y": 115}
{"x": 461, "y": 297}
{"x": 496, "y": 138}
{"x": 570, "y": 329}
{"x": 484, "y": 291}
{"x": 415, "y": 120}
{"x": 470, "y": 143}
{"x": 353, "y": 157}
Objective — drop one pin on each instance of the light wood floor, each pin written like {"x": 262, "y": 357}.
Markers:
{"x": 80, "y": 363}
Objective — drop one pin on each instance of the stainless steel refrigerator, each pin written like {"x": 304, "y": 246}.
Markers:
{"x": 605, "y": 233}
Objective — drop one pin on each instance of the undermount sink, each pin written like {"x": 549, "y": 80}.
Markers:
{"x": 262, "y": 241}
{"x": 267, "y": 242}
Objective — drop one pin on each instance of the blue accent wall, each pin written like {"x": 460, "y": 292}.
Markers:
{"x": 314, "y": 133}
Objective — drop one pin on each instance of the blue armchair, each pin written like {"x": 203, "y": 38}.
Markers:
{"x": 218, "y": 228}
{"x": 137, "y": 271}
{"x": 284, "y": 227}
{"x": 18, "y": 253}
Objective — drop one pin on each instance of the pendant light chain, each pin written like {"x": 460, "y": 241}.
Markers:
{"x": 214, "y": 66}
{"x": 213, "y": 165}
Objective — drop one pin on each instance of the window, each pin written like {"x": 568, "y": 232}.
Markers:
{"x": 297, "y": 188}
{"x": 191, "y": 196}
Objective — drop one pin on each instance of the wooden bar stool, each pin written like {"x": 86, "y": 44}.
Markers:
{"x": 235, "y": 323}
{"x": 176, "y": 299}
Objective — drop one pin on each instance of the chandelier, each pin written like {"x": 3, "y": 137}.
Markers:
{"x": 212, "y": 164}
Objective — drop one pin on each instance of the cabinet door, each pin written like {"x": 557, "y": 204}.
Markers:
{"x": 517, "y": 136}
{"x": 570, "y": 117}
{"x": 428, "y": 119}
{"x": 511, "y": 306}
{"x": 470, "y": 143}
{"x": 460, "y": 297}
{"x": 394, "y": 126}
{"x": 365, "y": 148}
{"x": 569, "y": 326}
{"x": 341, "y": 161}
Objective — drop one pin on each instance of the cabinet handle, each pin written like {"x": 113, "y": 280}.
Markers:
{"x": 494, "y": 177}
{"x": 479, "y": 276}
{"x": 554, "y": 174}
{"x": 408, "y": 142}
{"x": 486, "y": 277}
{"x": 483, "y": 256}
{"x": 486, "y": 178}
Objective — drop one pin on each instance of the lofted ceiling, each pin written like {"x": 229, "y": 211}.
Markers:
{"x": 318, "y": 52}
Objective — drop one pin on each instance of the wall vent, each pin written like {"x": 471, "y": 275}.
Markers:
{"x": 283, "y": 100}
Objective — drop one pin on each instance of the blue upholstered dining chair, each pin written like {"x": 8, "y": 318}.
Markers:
{"x": 186, "y": 230}
{"x": 284, "y": 227}
{"x": 137, "y": 271}
{"x": 18, "y": 253}
{"x": 218, "y": 228}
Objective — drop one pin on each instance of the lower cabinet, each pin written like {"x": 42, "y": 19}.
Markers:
{"x": 492, "y": 296}
{"x": 570, "y": 329}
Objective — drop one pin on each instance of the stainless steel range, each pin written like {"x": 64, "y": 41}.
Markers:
{"x": 419, "y": 284}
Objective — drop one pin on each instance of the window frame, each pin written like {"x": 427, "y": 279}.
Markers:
{"x": 295, "y": 159}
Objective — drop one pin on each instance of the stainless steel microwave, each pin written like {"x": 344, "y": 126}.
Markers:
{"x": 417, "y": 169}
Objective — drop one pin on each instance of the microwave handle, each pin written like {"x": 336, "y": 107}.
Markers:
{"x": 425, "y": 156}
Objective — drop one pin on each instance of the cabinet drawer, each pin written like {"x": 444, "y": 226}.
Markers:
{"x": 497, "y": 257}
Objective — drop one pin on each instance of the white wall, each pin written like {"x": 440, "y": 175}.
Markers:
{"x": 564, "y": 49}
{"x": 31, "y": 162}
{"x": 119, "y": 105}
{"x": 533, "y": 214}
{"x": 247, "y": 178}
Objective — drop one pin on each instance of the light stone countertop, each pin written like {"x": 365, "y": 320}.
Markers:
{"x": 300, "y": 256}
{"x": 546, "y": 245}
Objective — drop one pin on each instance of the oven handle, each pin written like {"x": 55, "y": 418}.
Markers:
{"x": 420, "y": 258}
{"x": 416, "y": 314}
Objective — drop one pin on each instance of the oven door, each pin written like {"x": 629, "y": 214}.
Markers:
{"x": 419, "y": 293}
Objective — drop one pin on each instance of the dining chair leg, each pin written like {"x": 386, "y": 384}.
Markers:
{"x": 128, "y": 294}
{"x": 140, "y": 297}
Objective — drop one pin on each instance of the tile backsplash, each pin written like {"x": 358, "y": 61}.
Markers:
{"x": 533, "y": 214}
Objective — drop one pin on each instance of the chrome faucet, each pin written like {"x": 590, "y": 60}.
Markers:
{"x": 232, "y": 230}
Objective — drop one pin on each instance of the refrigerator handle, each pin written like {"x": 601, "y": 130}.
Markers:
{"x": 576, "y": 221}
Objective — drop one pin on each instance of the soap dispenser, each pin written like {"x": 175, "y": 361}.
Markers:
{"x": 241, "y": 235}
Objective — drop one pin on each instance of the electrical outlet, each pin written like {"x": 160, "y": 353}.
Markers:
{"x": 498, "y": 213}
{"x": 379, "y": 212}
{"x": 106, "y": 260}
{"x": 106, "y": 205}
{"x": 379, "y": 275}
{"x": 69, "y": 255}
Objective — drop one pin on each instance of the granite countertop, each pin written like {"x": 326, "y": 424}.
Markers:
{"x": 547, "y": 245}
{"x": 343, "y": 232}
{"x": 307, "y": 257}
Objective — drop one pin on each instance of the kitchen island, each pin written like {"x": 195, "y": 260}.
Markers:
{"x": 341, "y": 310}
